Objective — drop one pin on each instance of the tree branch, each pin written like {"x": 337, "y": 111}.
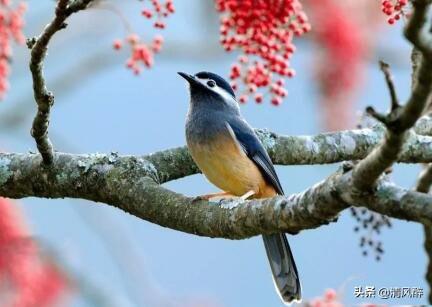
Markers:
{"x": 385, "y": 68}
{"x": 425, "y": 178}
{"x": 43, "y": 97}
{"x": 423, "y": 125}
{"x": 339, "y": 146}
{"x": 130, "y": 183}
{"x": 423, "y": 185}
{"x": 400, "y": 119}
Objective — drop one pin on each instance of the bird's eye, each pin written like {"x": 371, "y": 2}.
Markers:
{"x": 211, "y": 83}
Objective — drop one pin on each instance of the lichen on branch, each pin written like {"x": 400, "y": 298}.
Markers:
{"x": 132, "y": 184}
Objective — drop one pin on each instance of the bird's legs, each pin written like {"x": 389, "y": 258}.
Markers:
{"x": 224, "y": 195}
{"x": 213, "y": 195}
{"x": 247, "y": 194}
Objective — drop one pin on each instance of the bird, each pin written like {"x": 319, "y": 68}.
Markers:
{"x": 230, "y": 155}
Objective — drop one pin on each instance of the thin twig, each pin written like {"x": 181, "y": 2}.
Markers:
{"x": 385, "y": 68}
{"x": 43, "y": 97}
{"x": 382, "y": 118}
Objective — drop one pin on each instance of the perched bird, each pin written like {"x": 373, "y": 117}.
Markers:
{"x": 231, "y": 156}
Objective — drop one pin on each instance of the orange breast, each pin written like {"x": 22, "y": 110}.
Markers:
{"x": 227, "y": 166}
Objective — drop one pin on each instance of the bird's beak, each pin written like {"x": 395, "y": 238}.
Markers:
{"x": 191, "y": 79}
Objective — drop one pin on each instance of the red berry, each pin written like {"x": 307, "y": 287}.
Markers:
{"x": 258, "y": 98}
{"x": 276, "y": 101}
{"x": 117, "y": 44}
{"x": 243, "y": 99}
{"x": 147, "y": 13}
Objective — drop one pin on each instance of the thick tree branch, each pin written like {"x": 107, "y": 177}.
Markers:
{"x": 423, "y": 185}
{"x": 43, "y": 97}
{"x": 400, "y": 119}
{"x": 130, "y": 183}
{"x": 339, "y": 146}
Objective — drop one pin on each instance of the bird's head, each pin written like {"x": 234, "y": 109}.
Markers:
{"x": 210, "y": 89}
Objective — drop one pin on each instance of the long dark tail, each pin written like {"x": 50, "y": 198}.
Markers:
{"x": 284, "y": 270}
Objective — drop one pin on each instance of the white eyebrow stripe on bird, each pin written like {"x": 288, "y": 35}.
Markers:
{"x": 223, "y": 93}
{"x": 218, "y": 90}
{"x": 239, "y": 145}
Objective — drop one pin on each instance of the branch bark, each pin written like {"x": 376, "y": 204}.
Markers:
{"x": 423, "y": 185}
{"x": 132, "y": 184}
{"x": 401, "y": 119}
{"x": 43, "y": 97}
{"x": 339, "y": 146}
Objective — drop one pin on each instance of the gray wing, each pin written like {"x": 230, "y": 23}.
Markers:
{"x": 255, "y": 151}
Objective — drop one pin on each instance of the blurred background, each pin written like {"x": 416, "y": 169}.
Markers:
{"x": 118, "y": 260}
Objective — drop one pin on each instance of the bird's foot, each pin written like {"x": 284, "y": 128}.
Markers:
{"x": 247, "y": 194}
{"x": 209, "y": 197}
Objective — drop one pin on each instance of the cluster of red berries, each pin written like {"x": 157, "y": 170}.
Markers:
{"x": 263, "y": 29}
{"x": 11, "y": 24}
{"x": 394, "y": 9}
{"x": 160, "y": 11}
{"x": 142, "y": 53}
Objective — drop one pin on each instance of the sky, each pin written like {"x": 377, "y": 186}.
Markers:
{"x": 102, "y": 107}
